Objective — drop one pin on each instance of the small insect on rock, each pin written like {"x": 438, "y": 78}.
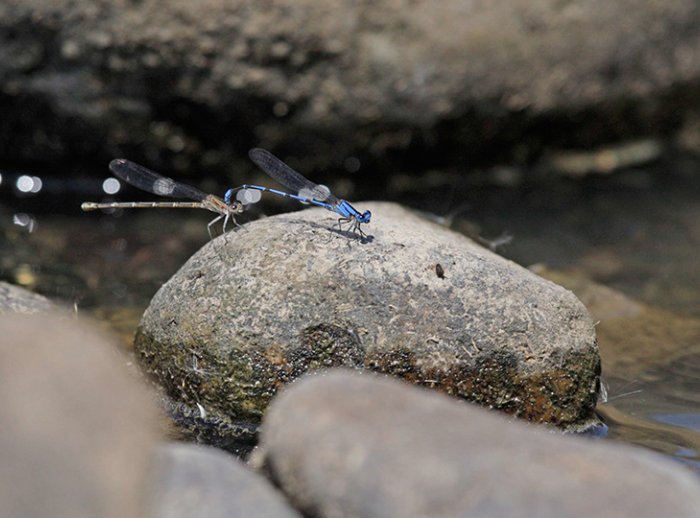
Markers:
{"x": 439, "y": 271}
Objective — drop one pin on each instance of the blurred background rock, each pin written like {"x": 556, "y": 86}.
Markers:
{"x": 348, "y": 86}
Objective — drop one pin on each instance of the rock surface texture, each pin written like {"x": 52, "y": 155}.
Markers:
{"x": 14, "y": 299}
{"x": 281, "y": 296}
{"x": 197, "y": 84}
{"x": 358, "y": 445}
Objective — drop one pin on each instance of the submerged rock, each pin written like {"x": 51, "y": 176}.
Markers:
{"x": 633, "y": 336}
{"x": 256, "y": 308}
{"x": 358, "y": 445}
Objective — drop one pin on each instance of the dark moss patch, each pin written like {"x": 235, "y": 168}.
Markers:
{"x": 324, "y": 346}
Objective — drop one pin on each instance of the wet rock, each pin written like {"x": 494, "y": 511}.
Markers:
{"x": 285, "y": 295}
{"x": 170, "y": 80}
{"x": 77, "y": 427}
{"x": 360, "y": 445}
{"x": 192, "y": 423}
{"x": 14, "y": 299}
{"x": 208, "y": 483}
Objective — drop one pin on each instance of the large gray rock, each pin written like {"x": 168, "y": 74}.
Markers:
{"x": 350, "y": 445}
{"x": 208, "y": 483}
{"x": 196, "y": 83}
{"x": 77, "y": 427}
{"x": 281, "y": 296}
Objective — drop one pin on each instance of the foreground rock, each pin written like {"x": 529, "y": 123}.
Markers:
{"x": 258, "y": 307}
{"x": 169, "y": 79}
{"x": 359, "y": 445}
{"x": 77, "y": 427}
{"x": 14, "y": 299}
{"x": 208, "y": 483}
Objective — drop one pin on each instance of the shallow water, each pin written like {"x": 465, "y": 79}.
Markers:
{"x": 637, "y": 231}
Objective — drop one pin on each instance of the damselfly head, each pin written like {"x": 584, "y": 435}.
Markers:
{"x": 365, "y": 217}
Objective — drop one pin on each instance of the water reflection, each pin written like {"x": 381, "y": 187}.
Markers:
{"x": 111, "y": 186}
{"x": 663, "y": 412}
{"x": 29, "y": 184}
{"x": 106, "y": 267}
{"x": 24, "y": 221}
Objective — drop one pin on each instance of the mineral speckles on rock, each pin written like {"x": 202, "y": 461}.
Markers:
{"x": 285, "y": 295}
